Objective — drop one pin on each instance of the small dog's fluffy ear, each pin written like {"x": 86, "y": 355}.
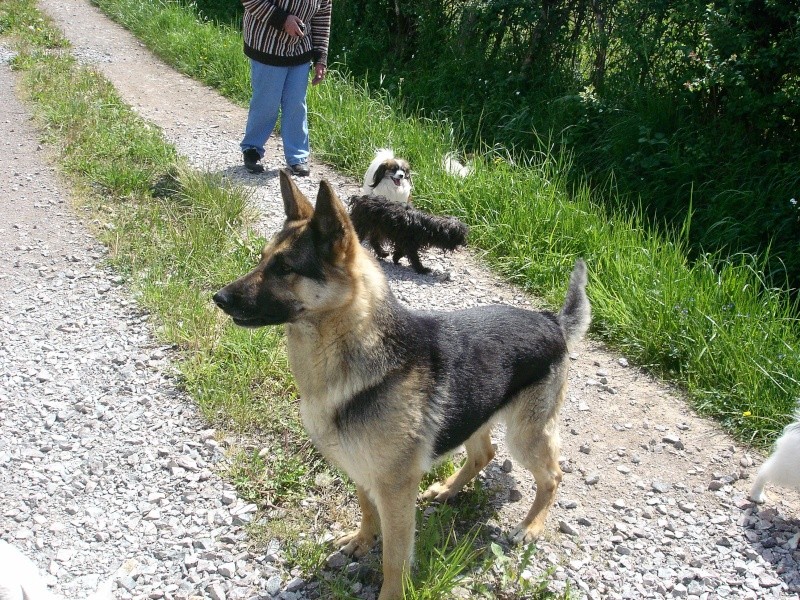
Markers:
{"x": 379, "y": 174}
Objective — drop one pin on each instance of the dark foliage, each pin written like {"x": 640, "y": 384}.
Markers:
{"x": 227, "y": 12}
{"x": 688, "y": 104}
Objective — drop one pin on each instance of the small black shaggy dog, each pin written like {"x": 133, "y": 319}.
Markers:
{"x": 408, "y": 229}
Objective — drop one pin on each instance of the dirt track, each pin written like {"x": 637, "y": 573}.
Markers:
{"x": 653, "y": 502}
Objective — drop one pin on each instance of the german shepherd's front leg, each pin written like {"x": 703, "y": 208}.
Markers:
{"x": 397, "y": 508}
{"x": 358, "y": 543}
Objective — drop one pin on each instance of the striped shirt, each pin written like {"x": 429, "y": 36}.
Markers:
{"x": 265, "y": 40}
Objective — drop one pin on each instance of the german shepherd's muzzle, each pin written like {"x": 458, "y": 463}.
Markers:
{"x": 386, "y": 391}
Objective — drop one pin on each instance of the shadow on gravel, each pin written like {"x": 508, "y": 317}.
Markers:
{"x": 403, "y": 272}
{"x": 239, "y": 174}
{"x": 774, "y": 538}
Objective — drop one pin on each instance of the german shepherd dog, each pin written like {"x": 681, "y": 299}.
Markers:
{"x": 386, "y": 391}
{"x": 408, "y": 229}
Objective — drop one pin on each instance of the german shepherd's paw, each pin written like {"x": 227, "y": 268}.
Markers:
{"x": 525, "y": 534}
{"x": 356, "y": 543}
{"x": 440, "y": 492}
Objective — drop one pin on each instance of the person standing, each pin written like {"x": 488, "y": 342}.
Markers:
{"x": 282, "y": 39}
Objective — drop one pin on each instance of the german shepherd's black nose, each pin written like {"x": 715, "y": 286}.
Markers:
{"x": 222, "y": 300}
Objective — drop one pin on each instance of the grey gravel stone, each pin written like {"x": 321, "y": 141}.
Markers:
{"x": 295, "y": 584}
{"x": 273, "y": 585}
{"x": 216, "y": 592}
{"x": 336, "y": 560}
{"x": 661, "y": 487}
{"x": 565, "y": 527}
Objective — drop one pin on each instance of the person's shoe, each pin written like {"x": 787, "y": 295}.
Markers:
{"x": 300, "y": 169}
{"x": 251, "y": 161}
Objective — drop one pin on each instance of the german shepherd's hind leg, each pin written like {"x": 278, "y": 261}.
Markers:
{"x": 479, "y": 453}
{"x": 358, "y": 543}
{"x": 397, "y": 506}
{"x": 536, "y": 446}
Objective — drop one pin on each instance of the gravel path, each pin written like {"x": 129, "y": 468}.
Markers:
{"x": 106, "y": 470}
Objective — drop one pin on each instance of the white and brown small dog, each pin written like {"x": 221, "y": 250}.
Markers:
{"x": 783, "y": 467}
{"x": 389, "y": 177}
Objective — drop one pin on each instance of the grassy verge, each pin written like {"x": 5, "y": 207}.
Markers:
{"x": 732, "y": 342}
{"x": 178, "y": 235}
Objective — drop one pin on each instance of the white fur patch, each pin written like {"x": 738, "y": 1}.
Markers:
{"x": 455, "y": 167}
{"x": 783, "y": 467}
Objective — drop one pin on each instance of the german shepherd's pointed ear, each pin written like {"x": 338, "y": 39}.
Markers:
{"x": 296, "y": 205}
{"x": 332, "y": 223}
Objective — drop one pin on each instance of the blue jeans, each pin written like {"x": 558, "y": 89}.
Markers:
{"x": 276, "y": 88}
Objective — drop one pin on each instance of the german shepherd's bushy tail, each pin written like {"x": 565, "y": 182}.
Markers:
{"x": 576, "y": 314}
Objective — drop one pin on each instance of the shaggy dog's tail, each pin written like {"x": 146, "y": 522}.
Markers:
{"x": 576, "y": 314}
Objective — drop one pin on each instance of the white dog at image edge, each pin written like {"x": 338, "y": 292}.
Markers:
{"x": 783, "y": 466}
{"x": 21, "y": 580}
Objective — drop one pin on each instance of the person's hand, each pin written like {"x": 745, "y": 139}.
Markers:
{"x": 294, "y": 27}
{"x": 319, "y": 73}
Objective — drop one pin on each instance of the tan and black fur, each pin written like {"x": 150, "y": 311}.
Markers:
{"x": 386, "y": 391}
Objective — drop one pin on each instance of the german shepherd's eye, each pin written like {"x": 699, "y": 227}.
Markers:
{"x": 279, "y": 267}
